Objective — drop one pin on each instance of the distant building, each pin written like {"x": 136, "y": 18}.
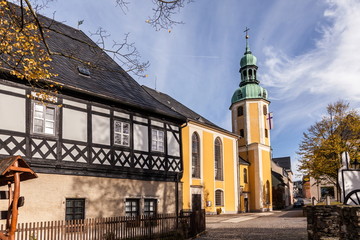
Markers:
{"x": 298, "y": 189}
{"x": 319, "y": 189}
{"x": 306, "y": 187}
{"x": 282, "y": 185}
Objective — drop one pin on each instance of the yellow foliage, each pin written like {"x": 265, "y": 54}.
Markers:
{"x": 323, "y": 143}
{"x": 21, "y": 51}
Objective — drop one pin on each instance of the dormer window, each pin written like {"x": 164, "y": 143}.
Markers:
{"x": 84, "y": 71}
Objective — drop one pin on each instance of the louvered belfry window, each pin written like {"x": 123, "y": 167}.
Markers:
{"x": 195, "y": 155}
{"x": 218, "y": 160}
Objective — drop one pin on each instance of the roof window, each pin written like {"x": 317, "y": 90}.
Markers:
{"x": 84, "y": 71}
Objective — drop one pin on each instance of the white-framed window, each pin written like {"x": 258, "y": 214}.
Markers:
{"x": 43, "y": 118}
{"x": 157, "y": 140}
{"x": 121, "y": 133}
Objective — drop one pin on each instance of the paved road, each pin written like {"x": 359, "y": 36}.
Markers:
{"x": 276, "y": 225}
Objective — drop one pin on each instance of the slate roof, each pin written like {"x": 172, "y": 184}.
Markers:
{"x": 107, "y": 80}
{"x": 243, "y": 161}
{"x": 182, "y": 109}
{"x": 284, "y": 162}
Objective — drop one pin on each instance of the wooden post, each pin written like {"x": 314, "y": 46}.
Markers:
{"x": 15, "y": 204}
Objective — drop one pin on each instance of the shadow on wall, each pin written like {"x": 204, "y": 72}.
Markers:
{"x": 105, "y": 197}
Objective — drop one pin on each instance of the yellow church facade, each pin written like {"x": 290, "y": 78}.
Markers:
{"x": 210, "y": 178}
{"x": 227, "y": 172}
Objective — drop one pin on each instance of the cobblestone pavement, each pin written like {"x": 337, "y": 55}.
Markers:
{"x": 276, "y": 225}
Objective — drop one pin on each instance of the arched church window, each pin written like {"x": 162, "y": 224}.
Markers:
{"x": 245, "y": 72}
{"x": 240, "y": 111}
{"x": 254, "y": 74}
{"x": 195, "y": 155}
{"x": 218, "y": 159}
{"x": 250, "y": 73}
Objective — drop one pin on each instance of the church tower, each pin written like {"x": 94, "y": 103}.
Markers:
{"x": 249, "y": 109}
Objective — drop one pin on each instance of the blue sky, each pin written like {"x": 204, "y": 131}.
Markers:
{"x": 307, "y": 51}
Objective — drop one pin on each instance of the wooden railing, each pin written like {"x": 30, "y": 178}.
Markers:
{"x": 113, "y": 228}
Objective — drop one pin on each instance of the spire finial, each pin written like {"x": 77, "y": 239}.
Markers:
{"x": 247, "y": 30}
{"x": 247, "y": 50}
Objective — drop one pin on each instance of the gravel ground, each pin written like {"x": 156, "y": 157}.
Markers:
{"x": 277, "y": 225}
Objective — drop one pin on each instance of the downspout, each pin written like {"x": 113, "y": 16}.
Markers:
{"x": 238, "y": 175}
{"x": 177, "y": 176}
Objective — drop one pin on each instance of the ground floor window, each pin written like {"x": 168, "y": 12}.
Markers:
{"x": 75, "y": 208}
{"x": 150, "y": 207}
{"x": 132, "y": 207}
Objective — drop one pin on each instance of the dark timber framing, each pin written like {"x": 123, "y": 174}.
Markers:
{"x": 141, "y": 165}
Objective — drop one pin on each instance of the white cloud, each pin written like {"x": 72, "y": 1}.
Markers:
{"x": 329, "y": 72}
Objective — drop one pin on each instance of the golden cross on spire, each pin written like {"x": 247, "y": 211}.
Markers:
{"x": 247, "y": 30}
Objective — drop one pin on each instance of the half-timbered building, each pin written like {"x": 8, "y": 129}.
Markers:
{"x": 101, "y": 147}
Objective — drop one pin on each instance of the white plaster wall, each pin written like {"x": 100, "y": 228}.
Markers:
{"x": 141, "y": 137}
{"x": 75, "y": 104}
{"x": 12, "y": 111}
{"x": 45, "y": 196}
{"x": 172, "y": 145}
{"x": 74, "y": 125}
{"x": 100, "y": 129}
